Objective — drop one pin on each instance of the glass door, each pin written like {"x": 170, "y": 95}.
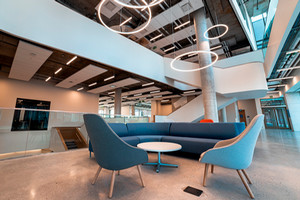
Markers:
{"x": 276, "y": 118}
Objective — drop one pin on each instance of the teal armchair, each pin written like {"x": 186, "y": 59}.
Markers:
{"x": 110, "y": 151}
{"x": 235, "y": 153}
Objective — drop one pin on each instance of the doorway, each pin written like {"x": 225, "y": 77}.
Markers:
{"x": 276, "y": 118}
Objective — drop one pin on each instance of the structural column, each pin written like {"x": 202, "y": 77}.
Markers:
{"x": 237, "y": 114}
{"x": 207, "y": 74}
{"x": 224, "y": 116}
{"x": 118, "y": 101}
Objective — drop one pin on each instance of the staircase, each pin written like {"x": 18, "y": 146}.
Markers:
{"x": 71, "y": 138}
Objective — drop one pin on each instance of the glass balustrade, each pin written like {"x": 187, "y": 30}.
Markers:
{"x": 25, "y": 132}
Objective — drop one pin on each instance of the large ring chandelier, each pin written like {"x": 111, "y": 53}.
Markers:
{"x": 153, "y": 3}
{"x": 205, "y": 34}
{"x": 194, "y": 52}
{"x": 120, "y": 32}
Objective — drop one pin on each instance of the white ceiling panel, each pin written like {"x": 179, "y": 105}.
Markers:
{"x": 165, "y": 97}
{"x": 82, "y": 75}
{"x": 112, "y": 86}
{"x": 104, "y": 98}
{"x": 27, "y": 61}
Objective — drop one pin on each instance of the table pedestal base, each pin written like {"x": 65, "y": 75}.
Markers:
{"x": 159, "y": 164}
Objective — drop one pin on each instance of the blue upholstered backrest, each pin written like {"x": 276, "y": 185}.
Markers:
{"x": 148, "y": 128}
{"x": 119, "y": 128}
{"x": 207, "y": 130}
{"x": 110, "y": 151}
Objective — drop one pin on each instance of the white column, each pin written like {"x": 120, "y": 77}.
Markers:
{"x": 224, "y": 116}
{"x": 207, "y": 74}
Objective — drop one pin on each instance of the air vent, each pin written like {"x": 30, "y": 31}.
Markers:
{"x": 186, "y": 7}
{"x": 110, "y": 6}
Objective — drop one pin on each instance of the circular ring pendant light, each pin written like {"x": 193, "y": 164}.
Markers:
{"x": 205, "y": 34}
{"x": 153, "y": 3}
{"x": 120, "y": 32}
{"x": 194, "y": 52}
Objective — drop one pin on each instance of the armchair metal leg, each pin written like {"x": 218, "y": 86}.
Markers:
{"x": 247, "y": 177}
{"x": 112, "y": 182}
{"x": 205, "y": 174}
{"x": 140, "y": 174}
{"x": 212, "y": 169}
{"x": 245, "y": 184}
{"x": 96, "y": 175}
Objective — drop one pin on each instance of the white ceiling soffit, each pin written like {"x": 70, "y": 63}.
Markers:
{"x": 168, "y": 16}
{"x": 150, "y": 95}
{"x": 111, "y": 86}
{"x": 82, "y": 75}
{"x": 27, "y": 61}
{"x": 143, "y": 90}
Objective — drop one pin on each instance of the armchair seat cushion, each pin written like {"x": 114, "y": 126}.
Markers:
{"x": 190, "y": 144}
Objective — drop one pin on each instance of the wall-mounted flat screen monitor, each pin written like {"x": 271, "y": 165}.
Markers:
{"x": 26, "y": 118}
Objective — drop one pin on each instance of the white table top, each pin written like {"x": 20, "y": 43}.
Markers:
{"x": 159, "y": 146}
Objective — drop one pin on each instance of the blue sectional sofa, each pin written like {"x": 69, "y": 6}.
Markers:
{"x": 193, "y": 137}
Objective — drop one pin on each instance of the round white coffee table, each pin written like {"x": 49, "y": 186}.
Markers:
{"x": 160, "y": 147}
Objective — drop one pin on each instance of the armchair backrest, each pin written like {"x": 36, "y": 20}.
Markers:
{"x": 107, "y": 145}
{"x": 246, "y": 141}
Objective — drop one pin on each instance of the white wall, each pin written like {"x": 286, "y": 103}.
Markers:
{"x": 231, "y": 113}
{"x": 61, "y": 99}
{"x": 249, "y": 106}
{"x": 293, "y": 106}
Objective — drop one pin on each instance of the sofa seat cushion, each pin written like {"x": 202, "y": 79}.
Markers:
{"x": 148, "y": 128}
{"x": 192, "y": 145}
{"x": 132, "y": 140}
{"x": 207, "y": 130}
{"x": 150, "y": 138}
{"x": 119, "y": 128}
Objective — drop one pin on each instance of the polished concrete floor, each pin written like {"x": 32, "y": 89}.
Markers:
{"x": 275, "y": 173}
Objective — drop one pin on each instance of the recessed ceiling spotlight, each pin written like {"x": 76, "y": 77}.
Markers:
{"x": 165, "y": 100}
{"x": 127, "y": 20}
{"x": 293, "y": 51}
{"x": 69, "y": 62}
{"x": 173, "y": 47}
{"x": 111, "y": 77}
{"x": 80, "y": 89}
{"x": 181, "y": 25}
{"x": 147, "y": 84}
{"x": 283, "y": 78}
{"x": 156, "y": 37}
{"x": 286, "y": 69}
{"x": 112, "y": 86}
{"x": 187, "y": 92}
{"x": 57, "y": 71}
{"x": 154, "y": 91}
{"x": 275, "y": 86}
{"x": 92, "y": 84}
